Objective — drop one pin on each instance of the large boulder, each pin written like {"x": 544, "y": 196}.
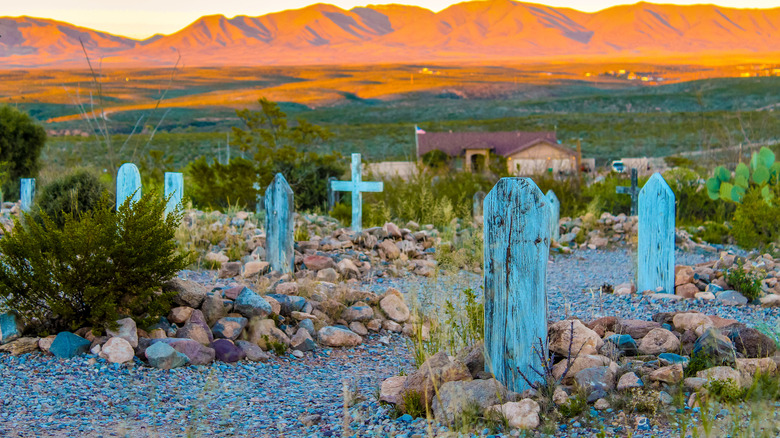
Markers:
{"x": 199, "y": 319}
{"x": 163, "y": 356}
{"x": 698, "y": 322}
{"x": 226, "y": 351}
{"x": 180, "y": 315}
{"x": 333, "y": 336}
{"x": 433, "y": 373}
{"x": 395, "y": 308}
{"x": 658, "y": 341}
{"x": 750, "y": 342}
{"x": 188, "y": 293}
{"x": 520, "y": 415}
{"x": 582, "y": 362}
{"x": 10, "y": 328}
{"x": 574, "y": 335}
{"x": 67, "y": 345}
{"x": 597, "y": 378}
{"x": 229, "y": 328}
{"x": 127, "y": 330}
{"x": 455, "y": 396}
{"x": 722, "y": 374}
{"x": 197, "y": 353}
{"x": 117, "y": 350}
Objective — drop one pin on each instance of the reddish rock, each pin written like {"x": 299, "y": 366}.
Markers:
{"x": 317, "y": 262}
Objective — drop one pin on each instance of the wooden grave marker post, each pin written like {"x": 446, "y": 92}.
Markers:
{"x": 279, "y": 226}
{"x": 258, "y": 198}
{"x": 477, "y": 207}
{"x": 357, "y": 186}
{"x": 655, "y": 248}
{"x": 174, "y": 191}
{"x": 555, "y": 215}
{"x": 128, "y": 184}
{"x": 333, "y": 196}
{"x": 27, "y": 193}
{"x": 632, "y": 191}
{"x": 517, "y": 245}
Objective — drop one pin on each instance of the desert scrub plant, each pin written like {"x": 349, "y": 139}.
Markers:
{"x": 755, "y": 223}
{"x": 745, "y": 282}
{"x": 99, "y": 265}
{"x": 78, "y": 192}
{"x": 727, "y": 391}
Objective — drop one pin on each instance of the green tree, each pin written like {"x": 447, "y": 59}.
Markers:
{"x": 21, "y": 141}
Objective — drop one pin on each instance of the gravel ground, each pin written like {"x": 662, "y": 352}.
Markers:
{"x": 42, "y": 396}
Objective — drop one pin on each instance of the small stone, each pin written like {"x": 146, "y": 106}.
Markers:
{"x": 658, "y": 341}
{"x": 392, "y": 389}
{"x": 157, "y": 333}
{"x": 358, "y": 312}
{"x": 691, "y": 321}
{"x": 392, "y": 326}
{"x": 67, "y": 345}
{"x": 117, "y": 350}
{"x": 302, "y": 341}
{"x": 338, "y": 337}
{"x": 374, "y": 325}
{"x": 252, "y": 352}
{"x": 214, "y": 307}
{"x": 230, "y": 270}
{"x": 395, "y": 308}
{"x": 197, "y": 353}
{"x": 226, "y": 351}
{"x": 601, "y": 404}
{"x": 731, "y": 298}
{"x": 21, "y": 346}
{"x": 688, "y": 290}
{"x": 586, "y": 341}
{"x": 771, "y": 300}
{"x": 163, "y": 356}
{"x": 194, "y": 332}
{"x": 44, "y": 344}
{"x": 318, "y": 263}
{"x": 520, "y": 415}
{"x": 358, "y": 328}
{"x": 629, "y": 381}
{"x": 127, "y": 330}
{"x": 637, "y": 328}
{"x": 188, "y": 293}
{"x": 229, "y": 328}
{"x": 254, "y": 268}
{"x": 298, "y": 353}
{"x": 180, "y": 315}
{"x": 560, "y": 397}
{"x": 286, "y": 289}
{"x": 250, "y": 304}
{"x": 669, "y": 374}
{"x": 328, "y": 275}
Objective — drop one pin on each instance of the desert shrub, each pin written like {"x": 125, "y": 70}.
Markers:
{"x": 678, "y": 161}
{"x": 79, "y": 192}
{"x": 466, "y": 323}
{"x": 21, "y": 141}
{"x": 692, "y": 204}
{"x": 413, "y": 404}
{"x": 98, "y": 266}
{"x": 727, "y": 391}
{"x": 219, "y": 186}
{"x": 755, "y": 223}
{"x": 713, "y": 232}
{"x": 744, "y": 282}
{"x": 436, "y": 159}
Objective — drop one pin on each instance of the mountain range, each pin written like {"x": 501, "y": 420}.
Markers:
{"x": 470, "y": 31}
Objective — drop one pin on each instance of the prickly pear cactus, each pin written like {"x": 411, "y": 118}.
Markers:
{"x": 763, "y": 172}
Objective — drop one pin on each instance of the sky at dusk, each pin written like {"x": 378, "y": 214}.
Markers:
{"x": 144, "y": 18}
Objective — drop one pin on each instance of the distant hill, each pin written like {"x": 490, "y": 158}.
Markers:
{"x": 471, "y": 31}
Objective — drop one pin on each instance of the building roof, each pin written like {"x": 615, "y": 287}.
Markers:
{"x": 500, "y": 143}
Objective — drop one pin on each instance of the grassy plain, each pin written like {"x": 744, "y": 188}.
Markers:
{"x": 616, "y": 109}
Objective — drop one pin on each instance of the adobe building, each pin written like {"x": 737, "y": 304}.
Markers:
{"x": 526, "y": 153}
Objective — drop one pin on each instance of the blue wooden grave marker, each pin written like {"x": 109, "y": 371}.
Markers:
{"x": 27, "y": 193}
{"x": 128, "y": 184}
{"x": 279, "y": 225}
{"x": 555, "y": 215}
{"x": 517, "y": 245}
{"x": 357, "y": 186}
{"x": 655, "y": 248}
{"x": 174, "y": 190}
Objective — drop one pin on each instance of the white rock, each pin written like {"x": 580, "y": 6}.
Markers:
{"x": 117, "y": 350}
{"x": 520, "y": 415}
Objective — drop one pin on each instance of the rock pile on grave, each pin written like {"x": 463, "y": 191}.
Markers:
{"x": 589, "y": 232}
{"x": 709, "y": 281}
{"x": 609, "y": 358}
{"x": 230, "y": 324}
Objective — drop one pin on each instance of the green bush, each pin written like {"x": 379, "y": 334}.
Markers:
{"x": 21, "y": 141}
{"x": 76, "y": 193}
{"x": 755, "y": 223}
{"x": 221, "y": 186}
{"x": 746, "y": 283}
{"x": 98, "y": 266}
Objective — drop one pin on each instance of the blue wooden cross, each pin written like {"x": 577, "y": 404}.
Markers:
{"x": 174, "y": 190}
{"x": 27, "y": 192}
{"x": 632, "y": 191}
{"x": 357, "y": 186}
